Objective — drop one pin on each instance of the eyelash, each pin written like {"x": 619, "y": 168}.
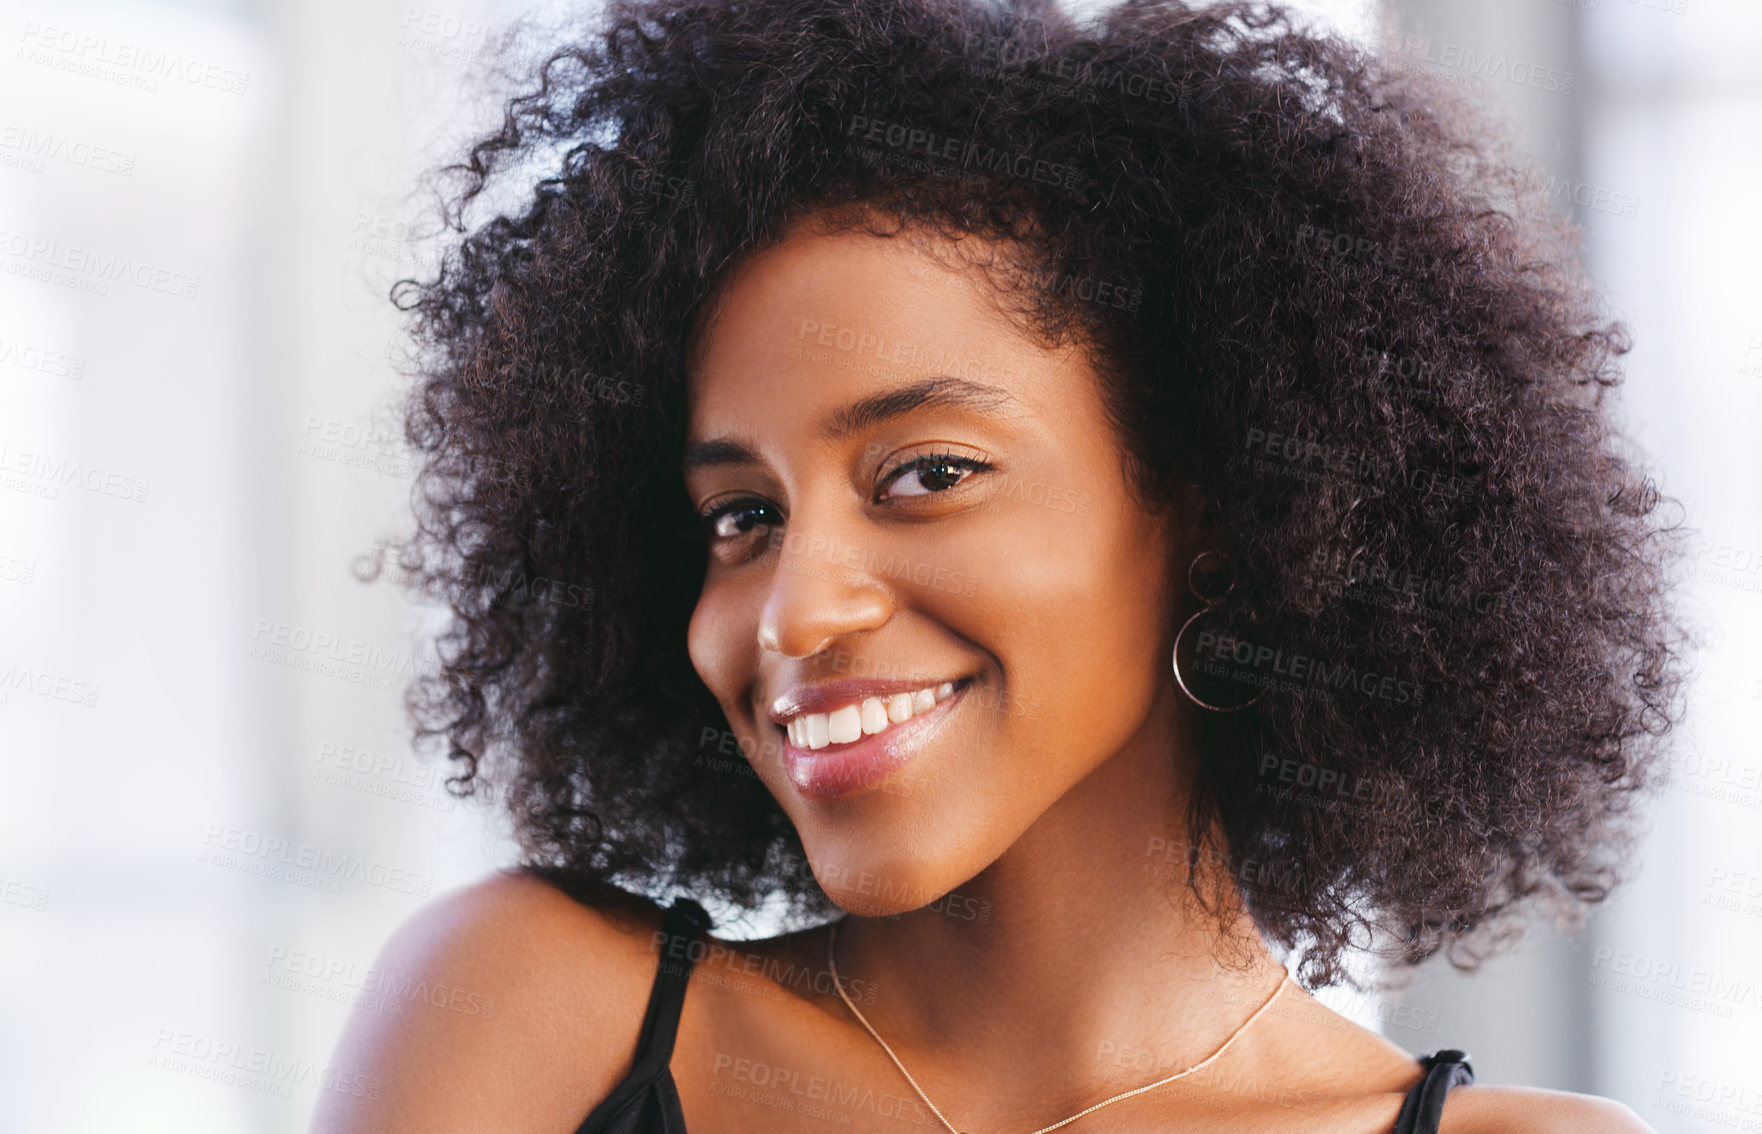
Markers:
{"x": 707, "y": 521}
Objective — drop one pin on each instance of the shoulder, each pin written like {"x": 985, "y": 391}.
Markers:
{"x": 1530, "y": 1110}
{"x": 503, "y": 1006}
{"x": 1316, "y": 1043}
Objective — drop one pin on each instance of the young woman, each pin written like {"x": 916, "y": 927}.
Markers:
{"x": 1095, "y": 524}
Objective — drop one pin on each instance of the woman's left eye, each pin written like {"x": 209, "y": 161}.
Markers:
{"x": 934, "y": 474}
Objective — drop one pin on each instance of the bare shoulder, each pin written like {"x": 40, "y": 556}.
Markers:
{"x": 504, "y": 1006}
{"x": 1317, "y": 1045}
{"x": 1530, "y": 1110}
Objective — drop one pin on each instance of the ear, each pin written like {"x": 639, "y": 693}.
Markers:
{"x": 1192, "y": 523}
{"x": 1194, "y": 527}
{"x": 1185, "y": 527}
{"x": 1203, "y": 506}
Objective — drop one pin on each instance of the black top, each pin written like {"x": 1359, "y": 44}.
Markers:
{"x": 646, "y": 1101}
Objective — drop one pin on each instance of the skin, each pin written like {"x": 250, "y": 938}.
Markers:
{"x": 1043, "y": 799}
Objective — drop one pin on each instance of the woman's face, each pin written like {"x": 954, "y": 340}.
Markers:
{"x": 911, "y": 494}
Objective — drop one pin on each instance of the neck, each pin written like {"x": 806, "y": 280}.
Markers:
{"x": 1076, "y": 965}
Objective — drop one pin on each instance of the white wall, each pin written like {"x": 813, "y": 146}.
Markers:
{"x": 221, "y": 816}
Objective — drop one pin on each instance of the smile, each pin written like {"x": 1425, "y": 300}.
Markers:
{"x": 870, "y": 716}
{"x": 860, "y": 744}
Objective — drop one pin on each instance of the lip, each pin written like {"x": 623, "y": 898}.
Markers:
{"x": 839, "y": 769}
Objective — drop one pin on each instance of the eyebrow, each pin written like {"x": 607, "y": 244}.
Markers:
{"x": 861, "y": 414}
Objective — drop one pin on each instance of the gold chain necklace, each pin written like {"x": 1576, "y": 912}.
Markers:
{"x": 1225, "y": 1046}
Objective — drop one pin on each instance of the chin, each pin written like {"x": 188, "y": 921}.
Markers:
{"x": 881, "y": 886}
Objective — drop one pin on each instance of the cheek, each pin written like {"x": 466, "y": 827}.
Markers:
{"x": 1090, "y": 614}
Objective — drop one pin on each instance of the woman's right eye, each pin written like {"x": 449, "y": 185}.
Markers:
{"x": 737, "y": 518}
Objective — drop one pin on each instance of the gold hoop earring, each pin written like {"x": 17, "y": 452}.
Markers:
{"x": 1210, "y": 604}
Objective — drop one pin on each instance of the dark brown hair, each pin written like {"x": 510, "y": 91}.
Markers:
{"x": 1321, "y": 306}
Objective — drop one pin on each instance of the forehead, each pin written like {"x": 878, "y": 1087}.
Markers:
{"x": 823, "y": 316}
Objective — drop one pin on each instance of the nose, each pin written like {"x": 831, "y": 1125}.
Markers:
{"x": 823, "y": 590}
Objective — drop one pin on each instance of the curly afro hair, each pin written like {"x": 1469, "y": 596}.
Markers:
{"x": 1347, "y": 323}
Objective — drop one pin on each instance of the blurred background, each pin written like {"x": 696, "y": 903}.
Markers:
{"x": 212, "y": 819}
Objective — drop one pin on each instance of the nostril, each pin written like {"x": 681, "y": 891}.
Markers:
{"x": 768, "y": 640}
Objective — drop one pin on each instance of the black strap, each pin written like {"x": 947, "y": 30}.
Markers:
{"x": 1423, "y": 1109}
{"x": 683, "y": 922}
{"x": 681, "y": 925}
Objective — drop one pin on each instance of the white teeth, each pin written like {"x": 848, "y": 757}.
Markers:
{"x": 865, "y": 718}
{"x": 844, "y": 725}
{"x": 874, "y": 716}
